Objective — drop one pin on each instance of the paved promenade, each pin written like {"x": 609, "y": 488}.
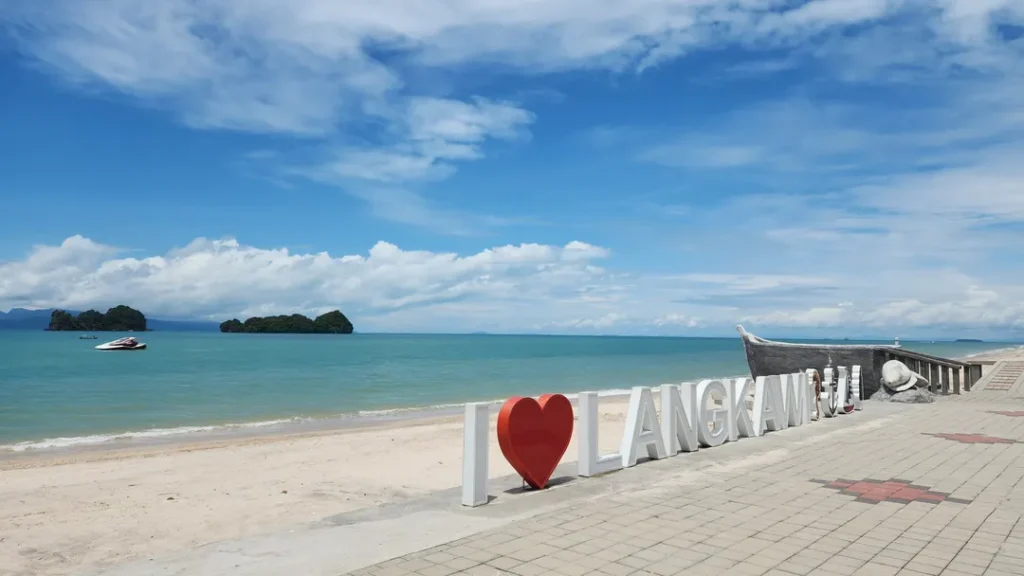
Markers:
{"x": 909, "y": 490}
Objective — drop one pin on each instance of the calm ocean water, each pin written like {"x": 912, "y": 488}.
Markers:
{"x": 56, "y": 390}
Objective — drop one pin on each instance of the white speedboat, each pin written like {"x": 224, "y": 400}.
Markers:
{"x": 128, "y": 343}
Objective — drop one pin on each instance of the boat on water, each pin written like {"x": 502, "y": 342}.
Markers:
{"x": 88, "y": 337}
{"x": 769, "y": 357}
{"x": 128, "y": 343}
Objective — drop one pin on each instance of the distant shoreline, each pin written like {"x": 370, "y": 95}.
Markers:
{"x": 209, "y": 327}
{"x": 270, "y": 424}
{"x": 273, "y": 427}
{"x": 90, "y": 331}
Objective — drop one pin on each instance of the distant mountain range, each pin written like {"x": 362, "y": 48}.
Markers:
{"x": 23, "y": 319}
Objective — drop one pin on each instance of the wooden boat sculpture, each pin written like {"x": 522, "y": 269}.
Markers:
{"x": 767, "y": 358}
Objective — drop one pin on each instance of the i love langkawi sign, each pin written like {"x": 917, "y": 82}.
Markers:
{"x": 534, "y": 434}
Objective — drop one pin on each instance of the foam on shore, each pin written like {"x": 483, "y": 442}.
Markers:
{"x": 996, "y": 351}
{"x": 156, "y": 435}
{"x": 298, "y": 424}
{"x": 153, "y": 433}
{"x": 285, "y": 424}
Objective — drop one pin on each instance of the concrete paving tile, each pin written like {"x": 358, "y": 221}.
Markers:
{"x": 876, "y": 569}
{"x": 636, "y": 563}
{"x": 437, "y": 570}
{"x": 923, "y": 568}
{"x": 824, "y": 572}
{"x": 615, "y": 569}
{"x": 413, "y": 565}
{"x": 482, "y": 570}
{"x": 857, "y": 553}
{"x": 773, "y": 519}
{"x": 574, "y": 570}
{"x": 503, "y": 563}
{"x": 999, "y": 565}
{"x": 667, "y": 567}
{"x": 459, "y": 563}
{"x": 964, "y": 568}
{"x": 890, "y": 561}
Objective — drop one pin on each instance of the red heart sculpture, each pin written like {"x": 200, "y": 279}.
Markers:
{"x": 534, "y": 434}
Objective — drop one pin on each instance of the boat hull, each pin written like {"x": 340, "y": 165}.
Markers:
{"x": 768, "y": 358}
{"x": 125, "y": 348}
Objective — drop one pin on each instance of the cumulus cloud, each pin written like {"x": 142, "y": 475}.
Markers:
{"x": 218, "y": 278}
{"x": 511, "y": 288}
{"x": 900, "y": 215}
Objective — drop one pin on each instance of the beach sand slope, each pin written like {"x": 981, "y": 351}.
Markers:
{"x": 69, "y": 512}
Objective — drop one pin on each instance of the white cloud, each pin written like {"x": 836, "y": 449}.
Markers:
{"x": 315, "y": 68}
{"x": 676, "y": 320}
{"x": 306, "y": 65}
{"x": 223, "y": 277}
{"x": 811, "y": 318}
{"x": 880, "y": 202}
{"x": 434, "y": 133}
{"x": 513, "y": 288}
{"x": 599, "y": 324}
{"x": 903, "y": 216}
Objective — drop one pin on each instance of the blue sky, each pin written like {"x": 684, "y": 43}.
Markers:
{"x": 661, "y": 167}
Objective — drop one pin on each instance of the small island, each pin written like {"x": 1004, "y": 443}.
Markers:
{"x": 973, "y": 340}
{"x": 330, "y": 323}
{"x": 117, "y": 319}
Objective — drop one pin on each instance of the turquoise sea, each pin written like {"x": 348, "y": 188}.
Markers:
{"x": 56, "y": 390}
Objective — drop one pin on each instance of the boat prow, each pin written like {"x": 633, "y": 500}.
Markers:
{"x": 768, "y": 357}
{"x": 123, "y": 344}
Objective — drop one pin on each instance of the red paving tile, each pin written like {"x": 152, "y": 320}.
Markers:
{"x": 1017, "y": 414}
{"x": 973, "y": 438}
{"x": 897, "y": 491}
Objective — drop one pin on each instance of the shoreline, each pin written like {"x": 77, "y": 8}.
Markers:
{"x": 88, "y": 508}
{"x": 281, "y": 427}
{"x": 274, "y": 427}
{"x": 994, "y": 351}
{"x": 75, "y": 511}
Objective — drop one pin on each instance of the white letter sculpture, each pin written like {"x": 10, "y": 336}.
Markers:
{"x": 591, "y": 463}
{"x": 795, "y": 399}
{"x": 769, "y": 412}
{"x": 828, "y": 394}
{"x": 843, "y": 392}
{"x": 678, "y": 417}
{"x": 743, "y": 426}
{"x": 716, "y": 424}
{"x": 474, "y": 454}
{"x": 642, "y": 428}
{"x": 856, "y": 385}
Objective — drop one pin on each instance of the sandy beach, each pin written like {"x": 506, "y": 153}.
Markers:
{"x": 65, "y": 512}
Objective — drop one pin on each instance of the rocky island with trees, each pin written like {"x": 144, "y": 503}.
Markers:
{"x": 333, "y": 322}
{"x": 117, "y": 319}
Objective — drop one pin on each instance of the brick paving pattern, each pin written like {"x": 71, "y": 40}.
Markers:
{"x": 897, "y": 491}
{"x": 950, "y": 508}
{"x": 973, "y": 438}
